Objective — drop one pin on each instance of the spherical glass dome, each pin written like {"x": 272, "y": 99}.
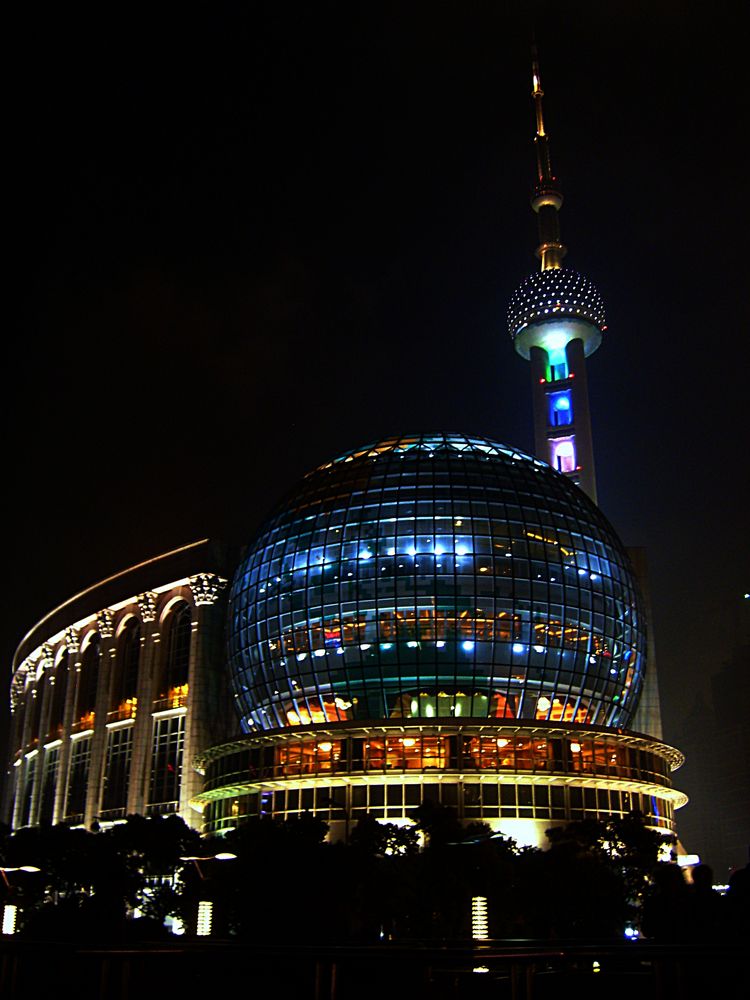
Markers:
{"x": 555, "y": 294}
{"x": 435, "y": 576}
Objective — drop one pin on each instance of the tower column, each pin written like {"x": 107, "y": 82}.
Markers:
{"x": 539, "y": 368}
{"x": 584, "y": 443}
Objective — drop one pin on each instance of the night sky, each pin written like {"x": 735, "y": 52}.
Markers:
{"x": 249, "y": 237}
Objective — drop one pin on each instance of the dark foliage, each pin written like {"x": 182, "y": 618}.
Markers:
{"x": 285, "y": 880}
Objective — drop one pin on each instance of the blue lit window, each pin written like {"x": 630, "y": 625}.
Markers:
{"x": 560, "y": 409}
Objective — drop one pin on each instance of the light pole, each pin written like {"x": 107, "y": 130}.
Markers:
{"x": 221, "y": 856}
{"x": 206, "y": 906}
{"x": 10, "y": 910}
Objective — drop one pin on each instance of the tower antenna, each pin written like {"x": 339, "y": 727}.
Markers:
{"x": 547, "y": 198}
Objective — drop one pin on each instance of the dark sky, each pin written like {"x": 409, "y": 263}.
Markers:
{"x": 249, "y": 237}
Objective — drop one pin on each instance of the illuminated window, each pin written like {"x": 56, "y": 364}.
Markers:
{"x": 87, "y": 680}
{"x": 166, "y": 763}
{"x": 28, "y": 789}
{"x": 49, "y": 784}
{"x": 175, "y": 665}
{"x": 560, "y": 409}
{"x": 558, "y": 364}
{"x": 80, "y": 759}
{"x": 117, "y": 770}
{"x": 124, "y": 685}
{"x": 59, "y": 689}
{"x": 563, "y": 454}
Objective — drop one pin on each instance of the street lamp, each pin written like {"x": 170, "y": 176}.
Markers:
{"x": 206, "y": 906}
{"x": 221, "y": 856}
{"x": 10, "y": 910}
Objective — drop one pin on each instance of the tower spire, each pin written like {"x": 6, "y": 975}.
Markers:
{"x": 556, "y": 319}
{"x": 547, "y": 198}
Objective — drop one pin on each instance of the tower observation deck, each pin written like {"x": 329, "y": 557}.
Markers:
{"x": 556, "y": 319}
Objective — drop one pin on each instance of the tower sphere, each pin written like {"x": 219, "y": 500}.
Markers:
{"x": 435, "y": 575}
{"x": 561, "y": 297}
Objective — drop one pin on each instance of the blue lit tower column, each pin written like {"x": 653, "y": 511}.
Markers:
{"x": 556, "y": 319}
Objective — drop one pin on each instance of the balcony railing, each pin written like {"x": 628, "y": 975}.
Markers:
{"x": 84, "y": 723}
{"x": 125, "y": 710}
{"x": 176, "y": 698}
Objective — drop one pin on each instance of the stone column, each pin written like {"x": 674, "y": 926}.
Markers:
{"x": 48, "y": 663}
{"x": 73, "y": 646}
{"x": 107, "y": 653}
{"x": 205, "y": 658}
{"x": 26, "y": 706}
{"x": 14, "y": 746}
{"x": 140, "y": 761}
{"x": 581, "y": 417}
{"x": 44, "y": 690}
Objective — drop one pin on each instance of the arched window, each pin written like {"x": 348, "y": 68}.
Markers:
{"x": 560, "y": 409}
{"x": 563, "y": 455}
{"x": 124, "y": 686}
{"x": 34, "y": 698}
{"x": 59, "y": 689}
{"x": 87, "y": 680}
{"x": 173, "y": 676}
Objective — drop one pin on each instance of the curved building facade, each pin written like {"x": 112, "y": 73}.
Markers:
{"x": 114, "y": 692}
{"x": 519, "y": 779}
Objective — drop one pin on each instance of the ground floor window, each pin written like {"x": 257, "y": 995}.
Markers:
{"x": 166, "y": 762}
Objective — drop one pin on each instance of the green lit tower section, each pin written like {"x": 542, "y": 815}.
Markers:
{"x": 556, "y": 320}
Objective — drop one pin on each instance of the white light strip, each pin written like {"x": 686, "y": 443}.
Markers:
{"x": 205, "y": 915}
{"x": 10, "y": 912}
{"x": 169, "y": 713}
{"x": 479, "y": 924}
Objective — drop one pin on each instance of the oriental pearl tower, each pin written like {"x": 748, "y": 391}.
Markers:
{"x": 556, "y": 320}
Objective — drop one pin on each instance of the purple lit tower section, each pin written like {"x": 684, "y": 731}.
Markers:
{"x": 556, "y": 319}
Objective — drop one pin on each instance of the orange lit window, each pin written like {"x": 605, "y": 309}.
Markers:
{"x": 307, "y": 711}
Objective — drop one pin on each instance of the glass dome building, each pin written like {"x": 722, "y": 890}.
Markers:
{"x": 435, "y": 576}
{"x": 437, "y": 618}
